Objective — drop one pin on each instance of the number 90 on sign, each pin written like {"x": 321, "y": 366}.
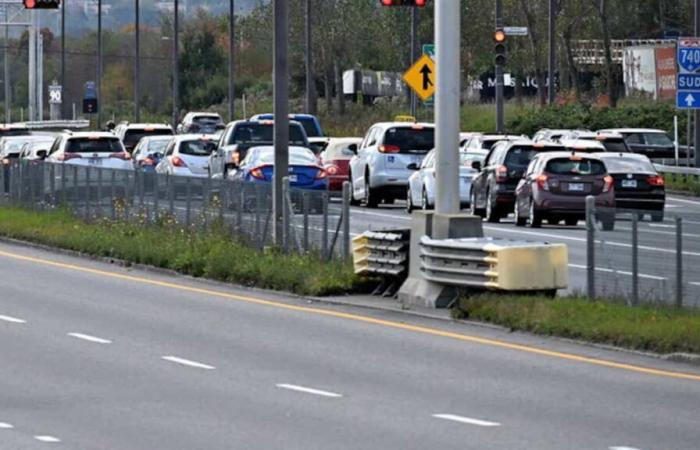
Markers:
{"x": 55, "y": 96}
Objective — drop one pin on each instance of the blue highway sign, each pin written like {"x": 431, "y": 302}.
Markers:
{"x": 688, "y": 100}
{"x": 688, "y": 78}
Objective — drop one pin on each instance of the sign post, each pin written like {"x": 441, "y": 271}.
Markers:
{"x": 55, "y": 100}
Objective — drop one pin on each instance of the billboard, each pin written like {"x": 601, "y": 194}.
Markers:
{"x": 666, "y": 73}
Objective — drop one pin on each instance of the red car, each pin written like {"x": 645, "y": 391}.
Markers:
{"x": 336, "y": 158}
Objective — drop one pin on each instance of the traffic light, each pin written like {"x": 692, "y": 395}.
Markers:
{"x": 499, "y": 37}
{"x": 41, "y": 4}
{"x": 418, "y": 3}
{"x": 90, "y": 106}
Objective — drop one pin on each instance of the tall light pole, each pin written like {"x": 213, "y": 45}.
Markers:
{"x": 281, "y": 110}
{"x": 231, "y": 60}
{"x": 310, "y": 105}
{"x": 447, "y": 117}
{"x": 500, "y": 126}
{"x": 176, "y": 80}
{"x": 6, "y": 67}
{"x": 100, "y": 102}
{"x": 63, "y": 59}
{"x": 414, "y": 51}
{"x": 137, "y": 61}
{"x": 552, "y": 53}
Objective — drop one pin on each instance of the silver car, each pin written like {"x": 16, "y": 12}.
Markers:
{"x": 421, "y": 185}
{"x": 188, "y": 155}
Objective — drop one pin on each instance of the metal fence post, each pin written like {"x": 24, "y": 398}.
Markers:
{"x": 155, "y": 180}
{"x": 258, "y": 205}
{"x": 239, "y": 212}
{"x": 76, "y": 190}
{"x": 590, "y": 246}
{"x": 87, "y": 192}
{"x": 99, "y": 192}
{"x": 324, "y": 243}
{"x": 112, "y": 197}
{"x": 171, "y": 194}
{"x": 635, "y": 259}
{"x": 679, "y": 262}
{"x": 223, "y": 199}
{"x": 188, "y": 201}
{"x": 346, "y": 220}
{"x": 285, "y": 214}
{"x": 305, "y": 206}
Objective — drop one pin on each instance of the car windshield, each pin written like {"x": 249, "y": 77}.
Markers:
{"x": 132, "y": 137}
{"x": 657, "y": 139}
{"x": 197, "y": 148}
{"x": 575, "y": 166}
{"x": 296, "y": 157}
{"x": 519, "y": 158}
{"x": 207, "y": 120}
{"x": 628, "y": 165}
{"x": 411, "y": 140}
{"x": 466, "y": 159}
{"x": 13, "y": 146}
{"x": 261, "y": 132}
{"x": 615, "y": 145}
{"x": 157, "y": 145}
{"x": 94, "y": 145}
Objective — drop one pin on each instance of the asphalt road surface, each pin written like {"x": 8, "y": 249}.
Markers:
{"x": 101, "y": 357}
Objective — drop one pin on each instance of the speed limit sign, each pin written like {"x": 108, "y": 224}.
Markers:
{"x": 55, "y": 94}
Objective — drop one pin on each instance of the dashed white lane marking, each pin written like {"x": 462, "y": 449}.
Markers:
{"x": 87, "y": 337}
{"x": 11, "y": 319}
{"x": 467, "y": 420}
{"x": 48, "y": 439}
{"x": 6, "y": 426}
{"x": 307, "y": 390}
{"x": 623, "y": 448}
{"x": 187, "y": 362}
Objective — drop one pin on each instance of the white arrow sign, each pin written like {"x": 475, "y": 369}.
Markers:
{"x": 689, "y": 100}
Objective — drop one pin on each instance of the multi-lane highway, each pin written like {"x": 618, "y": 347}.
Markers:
{"x": 100, "y": 357}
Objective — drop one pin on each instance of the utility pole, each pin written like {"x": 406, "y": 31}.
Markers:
{"x": 63, "y": 59}
{"x": 176, "y": 69}
{"x": 500, "y": 126}
{"x": 231, "y": 60}
{"x": 414, "y": 54}
{"x": 281, "y": 113}
{"x": 137, "y": 62}
{"x": 696, "y": 114}
{"x": 40, "y": 76}
{"x": 310, "y": 106}
{"x": 6, "y": 67}
{"x": 32, "y": 67}
{"x": 447, "y": 117}
{"x": 552, "y": 54}
{"x": 100, "y": 103}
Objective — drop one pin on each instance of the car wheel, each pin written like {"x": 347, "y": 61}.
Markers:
{"x": 492, "y": 213}
{"x": 409, "y": 202}
{"x": 472, "y": 206}
{"x": 353, "y": 200}
{"x": 657, "y": 216}
{"x": 371, "y": 195}
{"x": 571, "y": 222}
{"x": 519, "y": 221}
{"x": 535, "y": 216}
{"x": 424, "y": 201}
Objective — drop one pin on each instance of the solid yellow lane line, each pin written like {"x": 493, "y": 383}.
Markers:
{"x": 365, "y": 319}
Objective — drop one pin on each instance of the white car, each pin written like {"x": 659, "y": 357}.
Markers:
{"x": 421, "y": 185}
{"x": 12, "y": 146}
{"x": 188, "y": 155}
{"x": 90, "y": 149}
{"x": 379, "y": 171}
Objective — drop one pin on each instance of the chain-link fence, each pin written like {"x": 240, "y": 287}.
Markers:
{"x": 312, "y": 221}
{"x": 647, "y": 258}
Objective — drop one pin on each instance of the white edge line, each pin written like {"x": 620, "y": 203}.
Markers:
{"x": 47, "y": 439}
{"x": 467, "y": 420}
{"x": 6, "y": 426}
{"x": 12, "y": 319}
{"x": 87, "y": 337}
{"x": 307, "y": 390}
{"x": 187, "y": 362}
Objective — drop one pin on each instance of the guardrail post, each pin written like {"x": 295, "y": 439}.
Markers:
{"x": 635, "y": 259}
{"x": 679, "y": 262}
{"x": 590, "y": 246}
{"x": 346, "y": 220}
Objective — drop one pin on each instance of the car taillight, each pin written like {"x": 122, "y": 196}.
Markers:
{"x": 321, "y": 174}
{"x": 6, "y": 161}
{"x": 124, "y": 156}
{"x": 178, "y": 162}
{"x": 501, "y": 174}
{"x": 656, "y": 180}
{"x": 542, "y": 182}
{"x": 331, "y": 170}
{"x": 68, "y": 156}
{"x": 608, "y": 180}
{"x": 389, "y": 149}
{"x": 257, "y": 173}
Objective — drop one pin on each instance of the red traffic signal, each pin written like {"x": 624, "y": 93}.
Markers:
{"x": 418, "y": 3}
{"x": 42, "y": 4}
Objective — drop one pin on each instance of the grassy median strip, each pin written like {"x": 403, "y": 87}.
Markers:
{"x": 679, "y": 184}
{"x": 656, "y": 329}
{"x": 208, "y": 254}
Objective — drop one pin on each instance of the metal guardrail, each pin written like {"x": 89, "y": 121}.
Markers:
{"x": 56, "y": 124}
{"x": 495, "y": 264}
{"x": 384, "y": 254}
{"x": 676, "y": 170}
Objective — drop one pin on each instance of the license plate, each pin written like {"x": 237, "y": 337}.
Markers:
{"x": 96, "y": 161}
{"x": 576, "y": 187}
{"x": 629, "y": 183}
{"x": 292, "y": 178}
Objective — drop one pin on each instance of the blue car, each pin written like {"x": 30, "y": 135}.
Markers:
{"x": 311, "y": 124}
{"x": 304, "y": 170}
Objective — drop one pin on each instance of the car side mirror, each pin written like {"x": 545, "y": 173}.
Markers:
{"x": 476, "y": 165}
{"x": 412, "y": 166}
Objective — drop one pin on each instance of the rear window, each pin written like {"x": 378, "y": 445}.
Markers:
{"x": 486, "y": 144}
{"x": 615, "y": 145}
{"x": 132, "y": 137}
{"x": 411, "y": 140}
{"x": 197, "y": 148}
{"x": 628, "y": 165}
{"x": 518, "y": 158}
{"x": 296, "y": 157}
{"x": 569, "y": 166}
{"x": 94, "y": 145}
{"x": 657, "y": 139}
{"x": 157, "y": 145}
{"x": 257, "y": 133}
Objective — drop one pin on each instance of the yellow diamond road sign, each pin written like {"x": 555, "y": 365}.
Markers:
{"x": 421, "y": 77}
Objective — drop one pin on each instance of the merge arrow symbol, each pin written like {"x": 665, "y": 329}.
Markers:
{"x": 426, "y": 72}
{"x": 690, "y": 99}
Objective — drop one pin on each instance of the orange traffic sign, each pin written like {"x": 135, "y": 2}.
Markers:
{"x": 421, "y": 77}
